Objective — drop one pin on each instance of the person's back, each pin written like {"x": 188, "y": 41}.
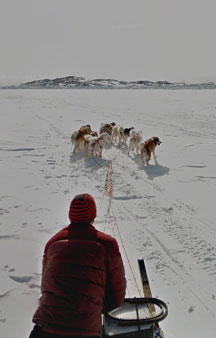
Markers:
{"x": 83, "y": 276}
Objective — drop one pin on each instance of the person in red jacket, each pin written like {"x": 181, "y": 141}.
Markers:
{"x": 82, "y": 277}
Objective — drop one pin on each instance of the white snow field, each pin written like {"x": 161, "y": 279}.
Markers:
{"x": 165, "y": 213}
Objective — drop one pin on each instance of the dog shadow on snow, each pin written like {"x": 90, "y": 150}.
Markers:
{"x": 90, "y": 162}
{"x": 155, "y": 170}
{"x": 152, "y": 170}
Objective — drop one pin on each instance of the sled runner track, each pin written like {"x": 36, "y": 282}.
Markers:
{"x": 167, "y": 266}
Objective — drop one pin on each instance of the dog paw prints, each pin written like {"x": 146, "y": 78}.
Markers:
{"x": 5, "y": 267}
{"x": 11, "y": 279}
{"x": 32, "y": 281}
{"x": 20, "y": 279}
{"x": 3, "y": 211}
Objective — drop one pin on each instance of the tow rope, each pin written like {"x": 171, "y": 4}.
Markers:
{"x": 108, "y": 191}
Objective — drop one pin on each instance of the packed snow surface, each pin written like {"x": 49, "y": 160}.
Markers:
{"x": 164, "y": 213}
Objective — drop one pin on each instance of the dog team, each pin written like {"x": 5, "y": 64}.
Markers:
{"x": 93, "y": 143}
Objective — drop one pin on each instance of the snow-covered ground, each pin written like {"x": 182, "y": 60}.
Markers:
{"x": 165, "y": 213}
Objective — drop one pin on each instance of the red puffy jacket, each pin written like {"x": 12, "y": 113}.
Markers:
{"x": 83, "y": 276}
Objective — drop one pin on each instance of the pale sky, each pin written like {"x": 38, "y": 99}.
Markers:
{"x": 170, "y": 40}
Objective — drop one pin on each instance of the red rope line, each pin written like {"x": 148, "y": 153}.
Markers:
{"x": 108, "y": 190}
{"x": 108, "y": 183}
{"x": 125, "y": 251}
{"x": 100, "y": 207}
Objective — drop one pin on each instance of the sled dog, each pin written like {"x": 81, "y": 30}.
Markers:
{"x": 147, "y": 148}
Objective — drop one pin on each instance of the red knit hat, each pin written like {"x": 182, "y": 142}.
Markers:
{"x": 82, "y": 209}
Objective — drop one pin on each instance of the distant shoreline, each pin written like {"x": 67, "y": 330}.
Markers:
{"x": 75, "y": 82}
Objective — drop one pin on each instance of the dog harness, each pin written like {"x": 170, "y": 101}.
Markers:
{"x": 95, "y": 142}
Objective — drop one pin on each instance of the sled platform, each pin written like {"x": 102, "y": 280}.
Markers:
{"x": 136, "y": 317}
{"x": 123, "y": 322}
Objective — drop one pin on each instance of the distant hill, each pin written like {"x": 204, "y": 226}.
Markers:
{"x": 70, "y": 82}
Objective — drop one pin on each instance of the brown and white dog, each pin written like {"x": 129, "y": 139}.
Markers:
{"x": 79, "y": 137}
{"x": 148, "y": 148}
{"x": 107, "y": 128}
{"x": 79, "y": 143}
{"x": 84, "y": 130}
